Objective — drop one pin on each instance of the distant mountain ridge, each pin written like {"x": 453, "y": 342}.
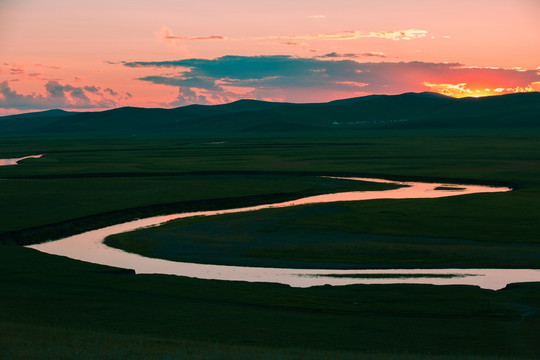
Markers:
{"x": 409, "y": 110}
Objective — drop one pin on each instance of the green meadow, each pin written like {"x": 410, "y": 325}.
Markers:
{"x": 53, "y": 307}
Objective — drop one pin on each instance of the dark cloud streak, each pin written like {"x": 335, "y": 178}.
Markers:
{"x": 331, "y": 73}
{"x": 353, "y": 55}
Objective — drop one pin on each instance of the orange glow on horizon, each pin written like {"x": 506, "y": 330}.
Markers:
{"x": 461, "y": 90}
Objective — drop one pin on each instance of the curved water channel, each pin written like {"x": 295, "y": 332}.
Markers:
{"x": 14, "y": 161}
{"x": 89, "y": 247}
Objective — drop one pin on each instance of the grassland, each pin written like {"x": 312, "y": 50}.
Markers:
{"x": 101, "y": 183}
{"x": 481, "y": 230}
{"x": 52, "y": 307}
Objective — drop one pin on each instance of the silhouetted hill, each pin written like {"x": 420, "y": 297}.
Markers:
{"x": 409, "y": 110}
{"x": 31, "y": 121}
{"x": 38, "y": 114}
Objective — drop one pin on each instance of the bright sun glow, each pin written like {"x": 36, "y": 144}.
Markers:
{"x": 461, "y": 90}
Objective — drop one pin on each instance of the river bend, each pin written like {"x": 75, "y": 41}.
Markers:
{"x": 89, "y": 247}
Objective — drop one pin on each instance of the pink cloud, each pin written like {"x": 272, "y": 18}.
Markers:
{"x": 56, "y": 95}
{"x": 166, "y": 34}
{"x": 408, "y": 34}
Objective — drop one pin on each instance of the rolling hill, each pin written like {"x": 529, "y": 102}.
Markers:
{"x": 405, "y": 111}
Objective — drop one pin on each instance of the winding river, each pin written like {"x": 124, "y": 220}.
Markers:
{"x": 89, "y": 247}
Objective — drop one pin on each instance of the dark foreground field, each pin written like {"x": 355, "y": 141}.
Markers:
{"x": 58, "y": 308}
{"x": 52, "y": 307}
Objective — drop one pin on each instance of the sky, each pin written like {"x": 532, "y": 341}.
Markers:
{"x": 102, "y": 54}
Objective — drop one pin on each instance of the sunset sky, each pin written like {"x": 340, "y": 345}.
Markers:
{"x": 101, "y": 54}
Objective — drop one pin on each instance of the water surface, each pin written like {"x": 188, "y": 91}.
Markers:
{"x": 89, "y": 247}
{"x": 14, "y": 161}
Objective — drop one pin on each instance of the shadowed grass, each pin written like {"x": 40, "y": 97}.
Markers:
{"x": 78, "y": 197}
{"x": 52, "y": 307}
{"x": 27, "y": 342}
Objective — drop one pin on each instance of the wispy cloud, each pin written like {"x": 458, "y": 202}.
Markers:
{"x": 353, "y": 55}
{"x": 50, "y": 67}
{"x": 166, "y": 34}
{"x": 195, "y": 38}
{"x": 293, "y": 43}
{"x": 14, "y": 71}
{"x": 177, "y": 42}
{"x": 408, "y": 34}
{"x": 26, "y": 71}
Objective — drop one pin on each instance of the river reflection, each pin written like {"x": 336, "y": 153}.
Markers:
{"x": 89, "y": 247}
{"x": 14, "y": 161}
